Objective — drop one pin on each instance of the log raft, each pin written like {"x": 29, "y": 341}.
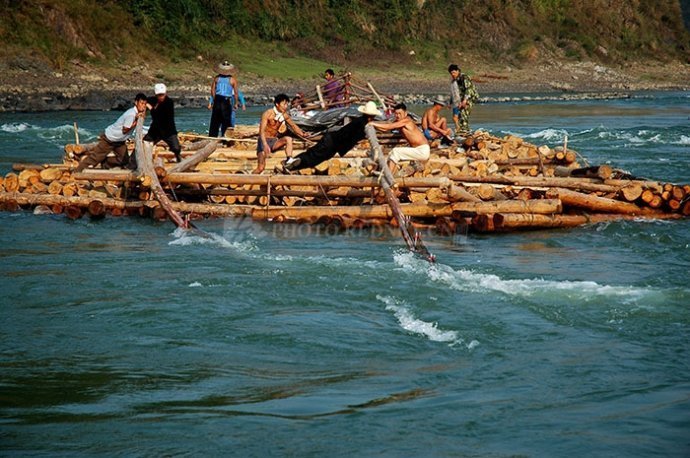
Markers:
{"x": 488, "y": 184}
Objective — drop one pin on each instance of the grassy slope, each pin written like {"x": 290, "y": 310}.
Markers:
{"x": 297, "y": 40}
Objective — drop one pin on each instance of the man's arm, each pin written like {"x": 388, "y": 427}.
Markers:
{"x": 235, "y": 91}
{"x": 389, "y": 125}
{"x": 425, "y": 121}
{"x": 295, "y": 128}
{"x": 213, "y": 93}
{"x": 262, "y": 130}
{"x": 455, "y": 92}
{"x": 134, "y": 121}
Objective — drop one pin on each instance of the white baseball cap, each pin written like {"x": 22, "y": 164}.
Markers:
{"x": 160, "y": 89}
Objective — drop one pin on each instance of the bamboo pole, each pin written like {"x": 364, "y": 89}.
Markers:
{"x": 378, "y": 97}
{"x": 318, "y": 92}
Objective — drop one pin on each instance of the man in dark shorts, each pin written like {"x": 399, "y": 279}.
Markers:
{"x": 338, "y": 142}
{"x": 273, "y": 131}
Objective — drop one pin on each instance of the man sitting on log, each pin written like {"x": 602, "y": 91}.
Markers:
{"x": 272, "y": 131}
{"x": 114, "y": 138}
{"x": 337, "y": 142}
{"x": 419, "y": 146}
{"x": 434, "y": 125}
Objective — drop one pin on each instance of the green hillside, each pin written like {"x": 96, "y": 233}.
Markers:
{"x": 294, "y": 39}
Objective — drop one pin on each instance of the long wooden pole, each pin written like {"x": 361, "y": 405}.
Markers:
{"x": 263, "y": 180}
{"x": 572, "y": 198}
{"x": 410, "y": 235}
{"x": 147, "y": 174}
{"x": 197, "y": 158}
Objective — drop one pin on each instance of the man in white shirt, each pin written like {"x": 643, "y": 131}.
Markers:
{"x": 114, "y": 139}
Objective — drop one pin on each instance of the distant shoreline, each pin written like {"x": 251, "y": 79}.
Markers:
{"x": 37, "y": 102}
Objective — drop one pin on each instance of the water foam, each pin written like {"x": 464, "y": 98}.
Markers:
{"x": 467, "y": 280}
{"x": 684, "y": 140}
{"x": 412, "y": 324}
{"x": 15, "y": 127}
{"x": 548, "y": 134}
{"x": 186, "y": 238}
{"x": 60, "y": 133}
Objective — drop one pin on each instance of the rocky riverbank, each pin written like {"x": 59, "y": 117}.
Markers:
{"x": 30, "y": 89}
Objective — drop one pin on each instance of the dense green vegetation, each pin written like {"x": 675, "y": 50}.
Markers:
{"x": 259, "y": 35}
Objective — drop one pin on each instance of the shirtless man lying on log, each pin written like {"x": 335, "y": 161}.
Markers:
{"x": 272, "y": 129}
{"x": 337, "y": 142}
{"x": 419, "y": 146}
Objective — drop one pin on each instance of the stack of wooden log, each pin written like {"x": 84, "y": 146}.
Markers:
{"x": 486, "y": 183}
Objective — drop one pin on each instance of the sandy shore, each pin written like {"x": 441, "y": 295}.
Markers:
{"x": 86, "y": 88}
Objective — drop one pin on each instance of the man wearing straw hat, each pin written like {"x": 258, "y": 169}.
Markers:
{"x": 337, "y": 142}
{"x": 224, "y": 99}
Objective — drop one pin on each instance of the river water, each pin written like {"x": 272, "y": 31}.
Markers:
{"x": 123, "y": 337}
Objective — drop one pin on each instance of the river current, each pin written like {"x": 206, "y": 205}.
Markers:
{"x": 124, "y": 337}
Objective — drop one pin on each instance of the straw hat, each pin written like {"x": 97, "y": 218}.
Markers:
{"x": 369, "y": 109}
{"x": 440, "y": 101}
{"x": 225, "y": 68}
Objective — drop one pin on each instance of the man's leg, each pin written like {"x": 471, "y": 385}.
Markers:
{"x": 261, "y": 156}
{"x": 465, "y": 120}
{"x": 314, "y": 156}
{"x": 215, "y": 119}
{"x": 456, "y": 118}
{"x": 96, "y": 155}
{"x": 403, "y": 153}
{"x": 226, "y": 123}
{"x": 120, "y": 157}
{"x": 288, "y": 146}
{"x": 174, "y": 145}
{"x": 261, "y": 162}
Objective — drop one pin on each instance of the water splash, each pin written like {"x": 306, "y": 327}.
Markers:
{"x": 412, "y": 324}
{"x": 62, "y": 133}
{"x": 468, "y": 280}
{"x": 186, "y": 238}
{"x": 15, "y": 127}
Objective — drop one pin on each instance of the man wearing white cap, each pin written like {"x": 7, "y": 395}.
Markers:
{"x": 337, "y": 142}
{"x": 163, "y": 126}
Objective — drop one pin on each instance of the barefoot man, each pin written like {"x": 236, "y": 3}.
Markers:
{"x": 434, "y": 125}
{"x": 419, "y": 147}
{"x": 272, "y": 131}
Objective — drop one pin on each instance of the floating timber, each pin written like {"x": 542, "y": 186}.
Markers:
{"x": 486, "y": 183}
